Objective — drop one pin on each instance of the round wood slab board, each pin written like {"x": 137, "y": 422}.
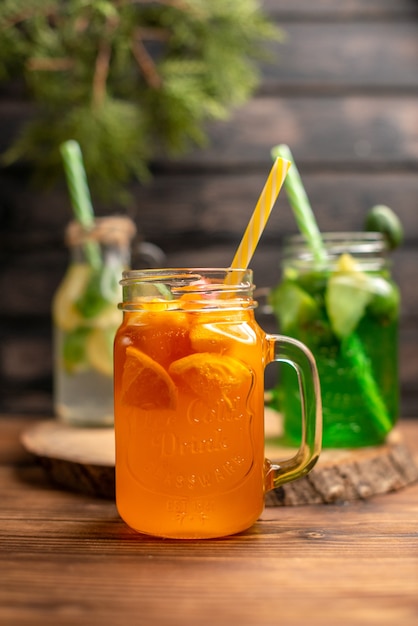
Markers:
{"x": 83, "y": 460}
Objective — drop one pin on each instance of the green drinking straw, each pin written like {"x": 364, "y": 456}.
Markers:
{"x": 350, "y": 345}
{"x": 80, "y": 196}
{"x": 300, "y": 204}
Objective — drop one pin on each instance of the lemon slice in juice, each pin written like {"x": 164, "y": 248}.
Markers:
{"x": 145, "y": 383}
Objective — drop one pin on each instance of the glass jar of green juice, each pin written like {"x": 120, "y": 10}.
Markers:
{"x": 346, "y": 310}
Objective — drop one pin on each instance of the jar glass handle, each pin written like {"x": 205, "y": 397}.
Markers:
{"x": 297, "y": 355}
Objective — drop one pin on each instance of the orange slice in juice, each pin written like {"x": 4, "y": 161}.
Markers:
{"x": 209, "y": 375}
{"x": 163, "y": 336}
{"x": 219, "y": 332}
{"x": 145, "y": 383}
{"x": 207, "y": 338}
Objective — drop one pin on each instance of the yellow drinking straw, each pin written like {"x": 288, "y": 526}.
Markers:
{"x": 261, "y": 214}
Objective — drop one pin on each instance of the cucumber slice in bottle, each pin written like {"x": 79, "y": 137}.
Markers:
{"x": 383, "y": 220}
{"x": 385, "y": 300}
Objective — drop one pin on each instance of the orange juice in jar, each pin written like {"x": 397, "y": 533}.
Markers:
{"x": 189, "y": 404}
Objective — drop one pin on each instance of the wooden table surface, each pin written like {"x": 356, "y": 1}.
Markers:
{"x": 66, "y": 558}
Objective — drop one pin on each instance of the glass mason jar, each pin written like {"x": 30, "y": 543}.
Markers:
{"x": 346, "y": 311}
{"x": 189, "y": 403}
{"x": 85, "y": 320}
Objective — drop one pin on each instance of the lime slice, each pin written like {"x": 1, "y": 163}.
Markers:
{"x": 292, "y": 305}
{"x": 65, "y": 314}
{"x": 99, "y": 350}
{"x": 347, "y": 295}
{"x": 383, "y": 220}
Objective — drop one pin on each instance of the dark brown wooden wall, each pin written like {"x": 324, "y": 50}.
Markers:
{"x": 343, "y": 93}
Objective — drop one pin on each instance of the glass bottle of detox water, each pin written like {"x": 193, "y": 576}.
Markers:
{"x": 346, "y": 311}
{"x": 85, "y": 319}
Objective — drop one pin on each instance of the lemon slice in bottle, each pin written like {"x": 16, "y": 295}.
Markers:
{"x": 65, "y": 314}
{"x": 99, "y": 350}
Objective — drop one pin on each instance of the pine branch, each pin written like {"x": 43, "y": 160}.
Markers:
{"x": 14, "y": 14}
{"x": 145, "y": 62}
{"x": 122, "y": 77}
{"x": 101, "y": 72}
{"x": 49, "y": 65}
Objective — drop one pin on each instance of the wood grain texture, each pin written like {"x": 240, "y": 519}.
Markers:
{"x": 345, "y": 475}
{"x": 68, "y": 559}
{"x": 353, "y": 57}
{"x": 356, "y": 130}
{"x": 349, "y": 9}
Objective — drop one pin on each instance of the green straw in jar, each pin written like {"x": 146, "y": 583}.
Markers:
{"x": 301, "y": 206}
{"x": 351, "y": 345}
